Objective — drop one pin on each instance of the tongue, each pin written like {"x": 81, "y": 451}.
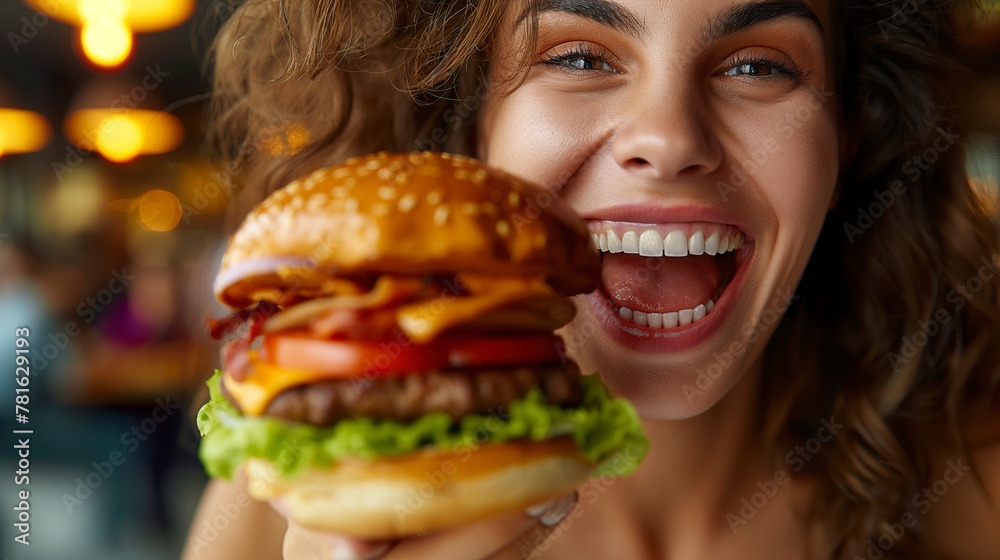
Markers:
{"x": 660, "y": 284}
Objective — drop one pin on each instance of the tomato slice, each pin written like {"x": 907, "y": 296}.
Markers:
{"x": 353, "y": 358}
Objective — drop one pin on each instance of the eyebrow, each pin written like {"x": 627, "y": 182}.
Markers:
{"x": 738, "y": 18}
{"x": 730, "y": 21}
{"x": 604, "y": 12}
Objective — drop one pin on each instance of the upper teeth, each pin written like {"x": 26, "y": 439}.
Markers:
{"x": 651, "y": 243}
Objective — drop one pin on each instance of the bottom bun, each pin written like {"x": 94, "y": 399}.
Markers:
{"x": 424, "y": 491}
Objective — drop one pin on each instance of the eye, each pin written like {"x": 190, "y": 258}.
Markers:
{"x": 751, "y": 69}
{"x": 755, "y": 66}
{"x": 583, "y": 58}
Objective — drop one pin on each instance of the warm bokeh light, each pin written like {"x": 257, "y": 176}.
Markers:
{"x": 120, "y": 135}
{"x": 286, "y": 140}
{"x": 106, "y": 43}
{"x": 22, "y": 131}
{"x": 93, "y": 10}
{"x": 77, "y": 202}
{"x": 141, "y": 16}
{"x": 120, "y": 139}
{"x": 159, "y": 210}
{"x": 107, "y": 26}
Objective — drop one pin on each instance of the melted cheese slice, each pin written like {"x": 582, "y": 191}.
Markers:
{"x": 265, "y": 382}
{"x": 424, "y": 320}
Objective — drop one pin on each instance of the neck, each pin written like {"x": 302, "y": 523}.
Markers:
{"x": 695, "y": 466}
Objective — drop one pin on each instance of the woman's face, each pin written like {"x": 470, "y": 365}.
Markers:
{"x": 677, "y": 130}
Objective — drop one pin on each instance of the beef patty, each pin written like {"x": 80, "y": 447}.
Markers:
{"x": 408, "y": 397}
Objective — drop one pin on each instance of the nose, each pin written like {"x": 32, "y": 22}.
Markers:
{"x": 665, "y": 136}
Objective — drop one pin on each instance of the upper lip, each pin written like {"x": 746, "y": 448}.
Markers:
{"x": 661, "y": 214}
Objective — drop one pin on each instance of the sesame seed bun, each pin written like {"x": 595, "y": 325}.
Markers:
{"x": 414, "y": 214}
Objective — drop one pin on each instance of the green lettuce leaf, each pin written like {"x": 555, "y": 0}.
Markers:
{"x": 606, "y": 430}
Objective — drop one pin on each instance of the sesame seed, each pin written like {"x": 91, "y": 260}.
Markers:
{"x": 339, "y": 191}
{"x": 380, "y": 209}
{"x": 488, "y": 208}
{"x": 316, "y": 200}
{"x": 386, "y": 193}
{"x": 479, "y": 177}
{"x": 407, "y": 202}
{"x": 514, "y": 199}
{"x": 384, "y": 174}
{"x": 350, "y": 182}
{"x": 503, "y": 228}
{"x": 441, "y": 215}
{"x": 433, "y": 198}
{"x": 461, "y": 174}
{"x": 470, "y": 208}
{"x": 351, "y": 205}
{"x": 416, "y": 159}
{"x": 373, "y": 164}
{"x": 341, "y": 173}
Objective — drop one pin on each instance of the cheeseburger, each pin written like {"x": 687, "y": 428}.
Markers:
{"x": 390, "y": 366}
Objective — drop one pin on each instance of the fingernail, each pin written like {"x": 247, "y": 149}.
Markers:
{"x": 538, "y": 509}
{"x": 557, "y": 511}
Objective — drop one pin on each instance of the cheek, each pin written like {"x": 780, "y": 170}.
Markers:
{"x": 810, "y": 168}
{"x": 537, "y": 138}
{"x": 790, "y": 154}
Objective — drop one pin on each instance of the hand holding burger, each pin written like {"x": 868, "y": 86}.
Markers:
{"x": 390, "y": 367}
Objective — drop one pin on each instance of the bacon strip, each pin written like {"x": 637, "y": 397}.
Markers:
{"x": 219, "y": 328}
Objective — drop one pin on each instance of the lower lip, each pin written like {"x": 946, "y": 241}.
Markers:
{"x": 651, "y": 341}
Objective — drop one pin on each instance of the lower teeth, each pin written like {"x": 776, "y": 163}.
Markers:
{"x": 666, "y": 320}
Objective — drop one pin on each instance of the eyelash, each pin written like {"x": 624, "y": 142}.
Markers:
{"x": 745, "y": 59}
{"x": 585, "y": 51}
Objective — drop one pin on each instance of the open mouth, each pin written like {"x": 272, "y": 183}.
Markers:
{"x": 669, "y": 275}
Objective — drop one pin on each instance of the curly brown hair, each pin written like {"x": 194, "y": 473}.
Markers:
{"x": 903, "y": 346}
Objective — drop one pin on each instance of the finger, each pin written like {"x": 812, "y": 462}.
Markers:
{"x": 540, "y": 536}
{"x": 503, "y": 537}
{"x": 305, "y": 544}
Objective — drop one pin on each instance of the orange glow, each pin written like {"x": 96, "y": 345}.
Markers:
{"x": 105, "y": 37}
{"x": 93, "y": 10}
{"x": 141, "y": 16}
{"x": 120, "y": 135}
{"x": 287, "y": 140}
{"x": 106, "y": 26}
{"x": 106, "y": 43}
{"x": 22, "y": 131}
{"x": 159, "y": 210}
{"x": 120, "y": 140}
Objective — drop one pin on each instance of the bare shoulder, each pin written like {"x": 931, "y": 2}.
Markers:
{"x": 962, "y": 511}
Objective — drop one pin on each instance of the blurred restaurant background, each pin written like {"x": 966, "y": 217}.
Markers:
{"x": 111, "y": 228}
